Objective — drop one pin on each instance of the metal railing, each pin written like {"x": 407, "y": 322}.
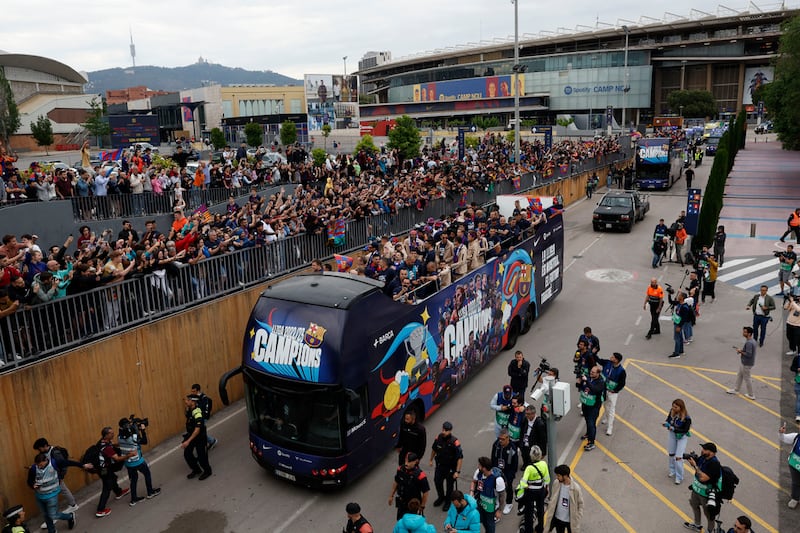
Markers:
{"x": 35, "y": 332}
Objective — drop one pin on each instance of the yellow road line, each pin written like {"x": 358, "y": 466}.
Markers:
{"x": 709, "y": 407}
{"x": 585, "y": 486}
{"x": 657, "y": 493}
{"x": 723, "y": 387}
{"x": 689, "y": 467}
{"x": 704, "y": 438}
{"x": 703, "y": 369}
{"x": 766, "y": 382}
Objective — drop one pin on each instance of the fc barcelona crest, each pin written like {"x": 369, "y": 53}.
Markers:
{"x": 314, "y": 335}
{"x": 524, "y": 280}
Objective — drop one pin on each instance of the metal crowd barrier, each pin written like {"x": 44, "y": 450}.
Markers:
{"x": 35, "y": 332}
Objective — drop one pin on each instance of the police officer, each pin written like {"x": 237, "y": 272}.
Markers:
{"x": 356, "y": 523}
{"x": 446, "y": 450}
{"x": 412, "y": 438}
{"x": 194, "y": 447}
{"x": 409, "y": 482}
{"x": 15, "y": 517}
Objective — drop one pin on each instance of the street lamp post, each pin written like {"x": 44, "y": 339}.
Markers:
{"x": 626, "y": 88}
{"x": 515, "y": 82}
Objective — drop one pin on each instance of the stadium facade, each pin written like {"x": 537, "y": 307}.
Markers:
{"x": 586, "y": 74}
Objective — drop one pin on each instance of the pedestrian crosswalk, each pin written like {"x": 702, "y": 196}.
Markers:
{"x": 750, "y": 273}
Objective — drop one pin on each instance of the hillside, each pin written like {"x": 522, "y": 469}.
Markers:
{"x": 179, "y": 78}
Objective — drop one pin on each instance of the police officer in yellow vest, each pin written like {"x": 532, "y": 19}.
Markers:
{"x": 15, "y": 518}
{"x": 706, "y": 477}
{"x": 194, "y": 440}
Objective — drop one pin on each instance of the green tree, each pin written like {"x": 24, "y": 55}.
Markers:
{"x": 405, "y": 137}
{"x": 288, "y": 133}
{"x": 326, "y": 131}
{"x": 472, "y": 141}
{"x": 217, "y": 139}
{"x": 695, "y": 104}
{"x": 9, "y": 113}
{"x": 97, "y": 121}
{"x": 42, "y": 131}
{"x": 254, "y": 133}
{"x": 367, "y": 144}
{"x": 319, "y": 155}
{"x": 782, "y": 95}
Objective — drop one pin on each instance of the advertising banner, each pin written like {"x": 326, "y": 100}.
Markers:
{"x": 655, "y": 151}
{"x": 754, "y": 78}
{"x": 469, "y": 89}
{"x": 130, "y": 129}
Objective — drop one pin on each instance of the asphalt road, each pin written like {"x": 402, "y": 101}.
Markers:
{"x": 624, "y": 479}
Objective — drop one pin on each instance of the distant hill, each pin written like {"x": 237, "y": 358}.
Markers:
{"x": 180, "y": 78}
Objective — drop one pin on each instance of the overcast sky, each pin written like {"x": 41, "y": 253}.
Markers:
{"x": 291, "y": 37}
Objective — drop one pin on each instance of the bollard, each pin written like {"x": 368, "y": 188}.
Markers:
{"x": 752, "y": 230}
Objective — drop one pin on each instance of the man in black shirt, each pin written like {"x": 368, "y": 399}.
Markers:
{"x": 409, "y": 482}
{"x": 518, "y": 371}
{"x": 412, "y": 438}
{"x": 180, "y": 157}
{"x": 707, "y": 473}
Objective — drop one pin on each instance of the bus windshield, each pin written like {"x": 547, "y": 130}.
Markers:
{"x": 652, "y": 172}
{"x": 293, "y": 417}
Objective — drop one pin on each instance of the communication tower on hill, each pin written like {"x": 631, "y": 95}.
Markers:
{"x": 133, "y": 49}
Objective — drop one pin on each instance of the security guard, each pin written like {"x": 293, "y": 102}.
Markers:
{"x": 194, "y": 440}
{"x": 15, "y": 517}
{"x": 446, "y": 450}
{"x": 655, "y": 299}
{"x": 409, "y": 482}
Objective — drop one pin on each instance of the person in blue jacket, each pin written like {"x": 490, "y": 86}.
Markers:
{"x": 463, "y": 515}
{"x": 412, "y": 521}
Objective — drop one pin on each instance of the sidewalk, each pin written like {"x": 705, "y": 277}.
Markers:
{"x": 762, "y": 189}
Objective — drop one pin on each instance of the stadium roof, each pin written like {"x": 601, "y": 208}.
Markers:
{"x": 42, "y": 64}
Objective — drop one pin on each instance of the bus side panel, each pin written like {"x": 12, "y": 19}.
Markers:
{"x": 428, "y": 352}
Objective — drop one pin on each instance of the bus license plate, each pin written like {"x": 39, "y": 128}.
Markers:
{"x": 608, "y": 226}
{"x": 285, "y": 475}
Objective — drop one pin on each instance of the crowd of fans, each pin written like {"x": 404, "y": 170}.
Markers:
{"x": 316, "y": 199}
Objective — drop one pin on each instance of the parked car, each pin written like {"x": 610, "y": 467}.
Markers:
{"x": 144, "y": 146}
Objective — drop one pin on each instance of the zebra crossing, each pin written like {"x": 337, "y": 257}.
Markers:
{"x": 750, "y": 273}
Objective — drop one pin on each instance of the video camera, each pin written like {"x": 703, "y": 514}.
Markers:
{"x": 690, "y": 455}
{"x": 134, "y": 425}
{"x": 669, "y": 287}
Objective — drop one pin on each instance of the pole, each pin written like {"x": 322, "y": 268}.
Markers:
{"x": 626, "y": 88}
{"x": 516, "y": 84}
{"x": 551, "y": 427}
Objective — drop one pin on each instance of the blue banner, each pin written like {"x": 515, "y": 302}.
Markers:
{"x": 655, "y": 151}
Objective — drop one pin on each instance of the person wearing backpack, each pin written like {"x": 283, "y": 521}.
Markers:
{"x": 206, "y": 405}
{"x": 794, "y": 463}
{"x": 61, "y": 456}
{"x": 487, "y": 488}
{"x": 706, "y": 479}
{"x": 43, "y": 479}
{"x": 109, "y": 460}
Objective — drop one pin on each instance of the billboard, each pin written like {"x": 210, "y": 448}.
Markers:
{"x": 469, "y": 89}
{"x": 331, "y": 99}
{"x": 130, "y": 129}
{"x": 654, "y": 151}
{"x": 755, "y": 77}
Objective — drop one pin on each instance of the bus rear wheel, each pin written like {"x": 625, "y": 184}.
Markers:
{"x": 513, "y": 334}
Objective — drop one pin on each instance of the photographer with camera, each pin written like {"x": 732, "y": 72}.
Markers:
{"x": 132, "y": 434}
{"x": 761, "y": 304}
{"x": 787, "y": 260}
{"x": 682, "y": 315}
{"x": 706, "y": 476}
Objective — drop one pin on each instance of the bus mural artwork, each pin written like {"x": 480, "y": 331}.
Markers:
{"x": 331, "y": 363}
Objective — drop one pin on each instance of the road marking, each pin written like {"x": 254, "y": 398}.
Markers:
{"x": 735, "y": 262}
{"x": 297, "y": 514}
{"x": 489, "y": 427}
{"x": 657, "y": 493}
{"x": 628, "y": 340}
{"x": 749, "y": 270}
{"x": 700, "y": 368}
{"x": 689, "y": 467}
{"x": 585, "y": 486}
{"x": 158, "y": 458}
{"x": 638, "y": 320}
{"x": 568, "y": 450}
{"x": 706, "y": 439}
{"x": 582, "y": 252}
{"x": 766, "y": 382}
{"x": 723, "y": 387}
{"x": 717, "y": 412}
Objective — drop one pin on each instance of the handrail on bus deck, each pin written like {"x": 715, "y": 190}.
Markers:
{"x": 223, "y": 384}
